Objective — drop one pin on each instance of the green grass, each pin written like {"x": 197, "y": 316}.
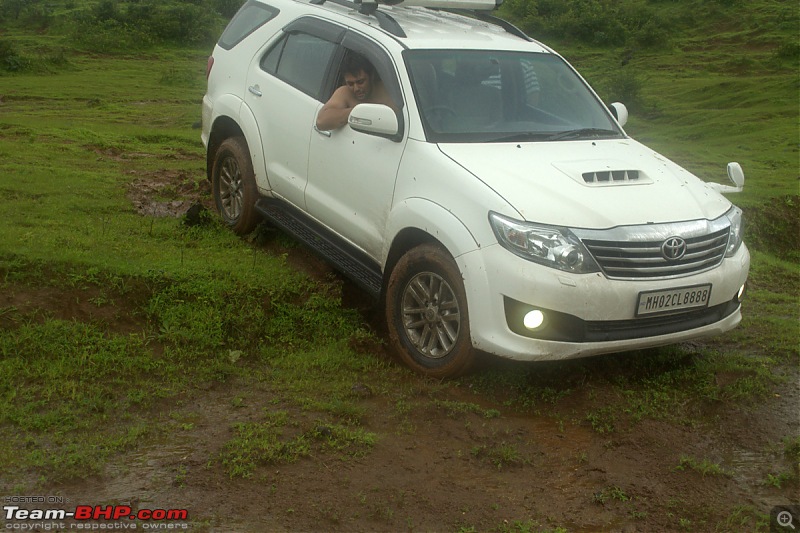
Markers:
{"x": 500, "y": 454}
{"x": 62, "y": 379}
{"x": 704, "y": 467}
{"x": 723, "y": 89}
{"x": 200, "y": 293}
{"x": 210, "y": 309}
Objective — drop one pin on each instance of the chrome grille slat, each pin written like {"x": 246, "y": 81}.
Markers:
{"x": 683, "y": 267}
{"x": 641, "y": 257}
{"x": 646, "y": 260}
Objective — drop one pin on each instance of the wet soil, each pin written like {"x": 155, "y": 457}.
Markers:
{"x": 538, "y": 470}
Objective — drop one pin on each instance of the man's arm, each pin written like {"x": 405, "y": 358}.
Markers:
{"x": 335, "y": 112}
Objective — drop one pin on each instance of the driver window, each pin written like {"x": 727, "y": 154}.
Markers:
{"x": 357, "y": 68}
{"x": 301, "y": 60}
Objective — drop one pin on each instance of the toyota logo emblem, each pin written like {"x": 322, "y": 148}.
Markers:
{"x": 673, "y": 248}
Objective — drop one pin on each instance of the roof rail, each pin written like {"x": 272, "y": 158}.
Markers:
{"x": 491, "y": 19}
{"x": 478, "y": 5}
{"x": 478, "y": 9}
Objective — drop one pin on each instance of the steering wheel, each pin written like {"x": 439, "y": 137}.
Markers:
{"x": 440, "y": 111}
{"x": 436, "y": 115}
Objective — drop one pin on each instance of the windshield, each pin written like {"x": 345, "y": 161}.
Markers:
{"x": 497, "y": 96}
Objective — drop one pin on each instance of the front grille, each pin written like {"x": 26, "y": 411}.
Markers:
{"x": 643, "y": 259}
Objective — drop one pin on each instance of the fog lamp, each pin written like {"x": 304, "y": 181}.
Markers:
{"x": 533, "y": 319}
{"x": 740, "y": 294}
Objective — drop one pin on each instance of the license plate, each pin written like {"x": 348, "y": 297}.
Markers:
{"x": 669, "y": 300}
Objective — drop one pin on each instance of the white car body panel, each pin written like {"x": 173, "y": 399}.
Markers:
{"x": 351, "y": 183}
{"x": 425, "y": 173}
{"x": 591, "y": 296}
{"x": 286, "y": 123}
{"x": 551, "y": 172}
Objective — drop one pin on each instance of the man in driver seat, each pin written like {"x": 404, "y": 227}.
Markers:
{"x": 361, "y": 86}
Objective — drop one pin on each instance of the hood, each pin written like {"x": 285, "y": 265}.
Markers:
{"x": 589, "y": 184}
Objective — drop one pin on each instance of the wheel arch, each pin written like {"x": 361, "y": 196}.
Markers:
{"x": 224, "y": 128}
{"x": 416, "y": 221}
{"x": 236, "y": 119}
{"x": 427, "y": 310}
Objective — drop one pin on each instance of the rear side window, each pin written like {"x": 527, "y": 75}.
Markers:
{"x": 248, "y": 19}
{"x": 301, "y": 60}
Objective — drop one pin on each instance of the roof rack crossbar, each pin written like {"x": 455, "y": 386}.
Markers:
{"x": 385, "y": 21}
{"x": 388, "y": 23}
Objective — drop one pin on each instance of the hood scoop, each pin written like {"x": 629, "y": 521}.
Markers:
{"x": 599, "y": 173}
{"x": 610, "y": 176}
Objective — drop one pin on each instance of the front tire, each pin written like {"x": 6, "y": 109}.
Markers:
{"x": 427, "y": 315}
{"x": 233, "y": 184}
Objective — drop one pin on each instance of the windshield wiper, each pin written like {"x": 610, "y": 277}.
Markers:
{"x": 583, "y": 132}
{"x": 524, "y": 136}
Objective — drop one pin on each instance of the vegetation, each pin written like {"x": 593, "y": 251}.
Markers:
{"x": 113, "y": 316}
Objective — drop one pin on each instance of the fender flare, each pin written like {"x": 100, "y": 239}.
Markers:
{"x": 423, "y": 216}
{"x": 232, "y": 108}
{"x": 431, "y": 219}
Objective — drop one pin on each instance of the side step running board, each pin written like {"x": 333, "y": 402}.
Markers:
{"x": 351, "y": 262}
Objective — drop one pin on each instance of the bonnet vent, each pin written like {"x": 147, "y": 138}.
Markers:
{"x": 611, "y": 176}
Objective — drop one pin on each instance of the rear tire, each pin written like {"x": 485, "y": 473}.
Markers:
{"x": 427, "y": 315}
{"x": 233, "y": 184}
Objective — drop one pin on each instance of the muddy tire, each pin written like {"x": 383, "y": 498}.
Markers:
{"x": 233, "y": 184}
{"x": 426, "y": 313}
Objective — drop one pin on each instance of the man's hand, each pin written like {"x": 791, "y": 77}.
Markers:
{"x": 336, "y": 111}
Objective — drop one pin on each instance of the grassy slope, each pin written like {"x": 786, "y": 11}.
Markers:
{"x": 721, "y": 91}
{"x": 73, "y": 138}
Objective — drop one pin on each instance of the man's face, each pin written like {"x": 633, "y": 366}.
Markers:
{"x": 360, "y": 84}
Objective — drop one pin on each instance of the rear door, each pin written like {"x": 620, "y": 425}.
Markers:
{"x": 284, "y": 88}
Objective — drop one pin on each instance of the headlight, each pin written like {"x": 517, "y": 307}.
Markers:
{"x": 548, "y": 245}
{"x": 737, "y": 229}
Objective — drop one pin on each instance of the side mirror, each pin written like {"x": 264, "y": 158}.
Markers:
{"x": 736, "y": 175}
{"x": 375, "y": 119}
{"x": 620, "y": 112}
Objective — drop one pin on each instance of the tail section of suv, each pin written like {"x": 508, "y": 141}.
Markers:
{"x": 495, "y": 205}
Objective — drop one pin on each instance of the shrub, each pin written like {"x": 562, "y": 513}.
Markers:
{"x": 10, "y": 59}
{"x": 625, "y": 86}
{"x": 789, "y": 51}
{"x": 227, "y": 8}
{"x": 184, "y": 24}
{"x": 109, "y": 36}
{"x": 11, "y": 9}
{"x": 775, "y": 227}
{"x": 595, "y": 22}
{"x": 107, "y": 10}
{"x": 144, "y": 23}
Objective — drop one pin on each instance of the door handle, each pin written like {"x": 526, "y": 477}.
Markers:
{"x": 255, "y": 90}
{"x": 322, "y": 132}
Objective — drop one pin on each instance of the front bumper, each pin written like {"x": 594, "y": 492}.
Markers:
{"x": 586, "y": 314}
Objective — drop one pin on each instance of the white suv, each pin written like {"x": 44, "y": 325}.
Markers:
{"x": 497, "y": 206}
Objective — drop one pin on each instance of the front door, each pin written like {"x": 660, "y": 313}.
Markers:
{"x": 351, "y": 175}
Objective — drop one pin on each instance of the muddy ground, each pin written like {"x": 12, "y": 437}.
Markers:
{"x": 436, "y": 472}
